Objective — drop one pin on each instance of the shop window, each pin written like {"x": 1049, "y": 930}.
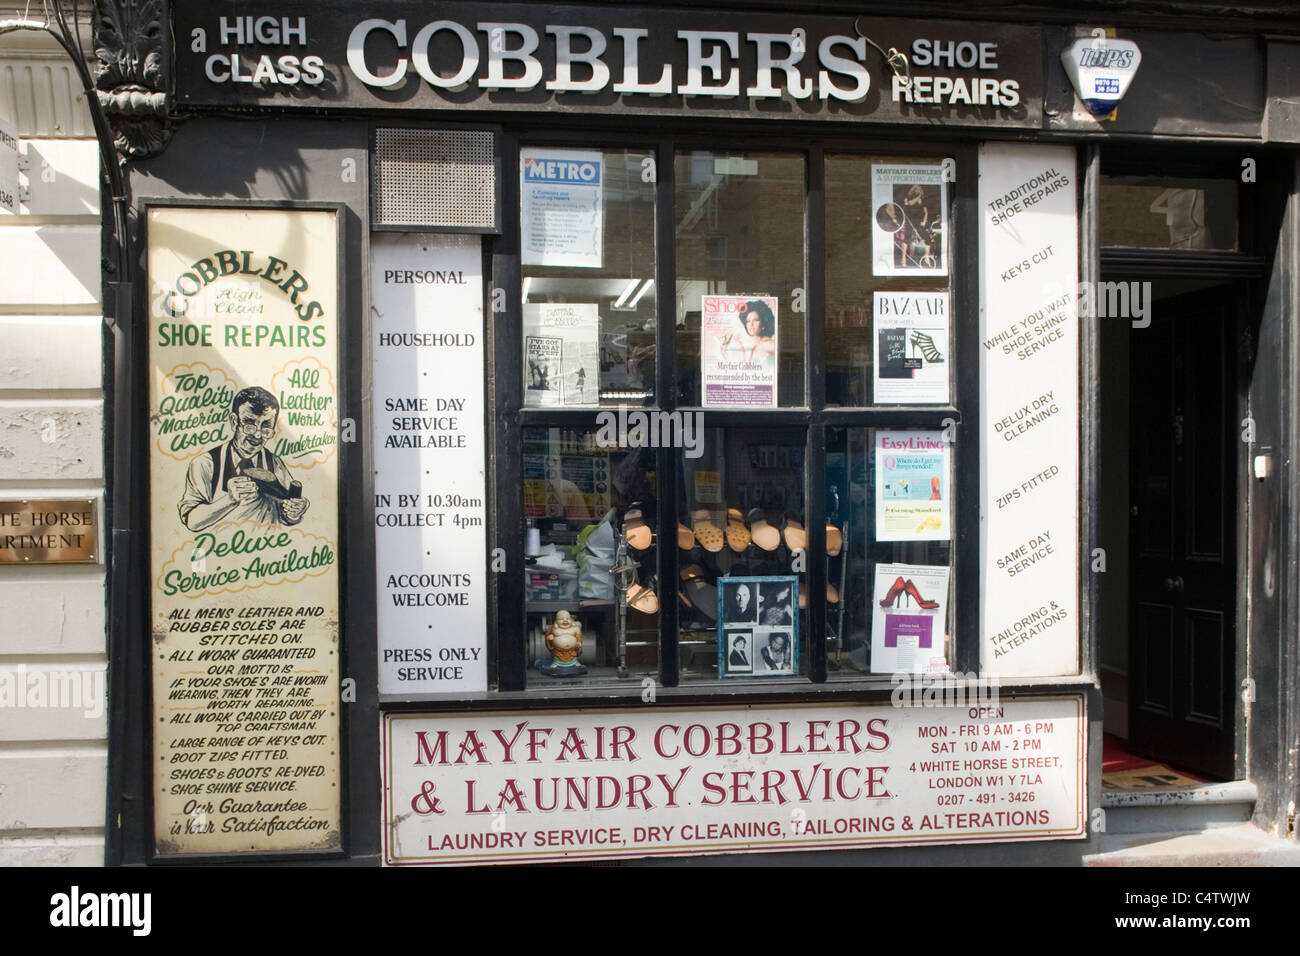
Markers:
{"x": 739, "y": 232}
{"x": 888, "y": 282}
{"x": 588, "y": 259}
{"x": 742, "y": 546}
{"x": 591, "y": 594}
{"x": 890, "y": 581}
{"x": 1148, "y": 212}
{"x": 716, "y": 480}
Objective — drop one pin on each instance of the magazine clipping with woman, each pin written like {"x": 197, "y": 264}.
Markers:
{"x": 738, "y": 350}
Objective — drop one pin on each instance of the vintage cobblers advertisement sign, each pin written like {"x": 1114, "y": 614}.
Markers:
{"x": 244, "y": 428}
{"x": 939, "y": 764}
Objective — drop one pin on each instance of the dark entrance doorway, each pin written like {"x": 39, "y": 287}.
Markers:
{"x": 1184, "y": 432}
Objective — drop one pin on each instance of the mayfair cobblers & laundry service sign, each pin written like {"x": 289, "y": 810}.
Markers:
{"x": 664, "y": 781}
{"x": 502, "y": 56}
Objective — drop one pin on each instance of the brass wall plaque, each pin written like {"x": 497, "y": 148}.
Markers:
{"x": 49, "y": 531}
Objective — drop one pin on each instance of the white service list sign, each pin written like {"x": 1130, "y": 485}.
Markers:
{"x": 430, "y": 488}
{"x": 1029, "y": 410}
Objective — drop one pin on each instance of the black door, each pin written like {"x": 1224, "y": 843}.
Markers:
{"x": 1183, "y": 502}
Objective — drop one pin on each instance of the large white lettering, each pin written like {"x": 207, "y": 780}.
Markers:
{"x": 357, "y": 52}
{"x": 697, "y": 63}
{"x": 499, "y": 53}
{"x": 565, "y": 57}
{"x": 796, "y": 84}
{"x": 468, "y": 61}
{"x": 846, "y": 67}
{"x": 631, "y": 38}
{"x": 713, "y": 64}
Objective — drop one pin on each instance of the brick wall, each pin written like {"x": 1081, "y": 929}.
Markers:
{"x": 52, "y": 625}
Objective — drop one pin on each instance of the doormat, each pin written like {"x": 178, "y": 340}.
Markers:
{"x": 1156, "y": 776}
{"x": 1121, "y": 770}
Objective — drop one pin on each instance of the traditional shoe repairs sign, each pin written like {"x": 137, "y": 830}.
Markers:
{"x": 244, "y": 427}
{"x": 1029, "y": 410}
{"x": 943, "y": 762}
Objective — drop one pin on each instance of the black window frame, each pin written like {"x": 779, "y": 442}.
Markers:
{"x": 510, "y": 417}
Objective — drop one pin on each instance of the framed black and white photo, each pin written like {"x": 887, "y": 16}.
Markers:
{"x": 740, "y": 651}
{"x": 739, "y": 597}
{"x": 775, "y": 652}
{"x": 758, "y": 626}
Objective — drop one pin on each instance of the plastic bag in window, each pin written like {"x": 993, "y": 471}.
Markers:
{"x": 595, "y": 556}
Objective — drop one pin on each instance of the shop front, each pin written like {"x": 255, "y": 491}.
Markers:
{"x": 555, "y": 433}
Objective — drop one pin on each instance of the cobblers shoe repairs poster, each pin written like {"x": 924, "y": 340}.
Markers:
{"x": 244, "y": 427}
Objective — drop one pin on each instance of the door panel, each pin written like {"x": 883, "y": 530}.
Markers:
{"x": 1205, "y": 644}
{"x": 1183, "y": 530}
{"x": 1154, "y": 639}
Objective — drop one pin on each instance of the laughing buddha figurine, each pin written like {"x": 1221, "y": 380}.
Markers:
{"x": 564, "y": 641}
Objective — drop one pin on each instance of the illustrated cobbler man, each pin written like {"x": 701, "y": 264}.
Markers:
{"x": 241, "y": 480}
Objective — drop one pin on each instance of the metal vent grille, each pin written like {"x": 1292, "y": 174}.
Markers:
{"x": 435, "y": 177}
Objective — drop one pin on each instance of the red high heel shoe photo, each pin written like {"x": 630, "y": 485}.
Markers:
{"x": 894, "y": 593}
{"x": 910, "y": 589}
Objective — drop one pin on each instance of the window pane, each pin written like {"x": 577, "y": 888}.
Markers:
{"x": 895, "y": 608}
{"x": 741, "y": 522}
{"x": 888, "y": 267}
{"x": 579, "y": 498}
{"x": 1150, "y": 213}
{"x": 587, "y": 230}
{"x": 739, "y": 221}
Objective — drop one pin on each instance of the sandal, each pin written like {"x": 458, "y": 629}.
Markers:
{"x": 639, "y": 534}
{"x": 834, "y": 540}
{"x": 643, "y": 597}
{"x": 737, "y": 534}
{"x": 796, "y": 538}
{"x": 763, "y": 534}
{"x": 708, "y": 534}
{"x": 685, "y": 537}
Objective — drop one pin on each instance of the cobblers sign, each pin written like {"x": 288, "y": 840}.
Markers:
{"x": 629, "y": 61}
{"x": 663, "y": 781}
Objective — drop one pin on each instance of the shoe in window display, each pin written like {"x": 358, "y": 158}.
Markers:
{"x": 685, "y": 537}
{"x": 708, "y": 534}
{"x": 796, "y": 538}
{"x": 737, "y": 533}
{"x": 636, "y": 525}
{"x": 564, "y": 641}
{"x": 766, "y": 536}
{"x": 643, "y": 599}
